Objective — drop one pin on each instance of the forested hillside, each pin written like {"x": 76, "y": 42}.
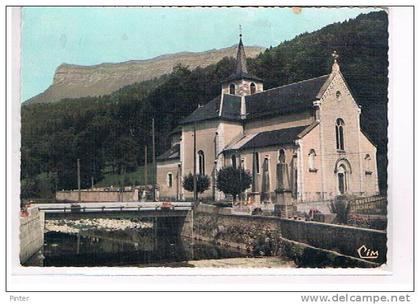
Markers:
{"x": 108, "y": 133}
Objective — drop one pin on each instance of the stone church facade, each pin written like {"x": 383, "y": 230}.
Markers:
{"x": 300, "y": 142}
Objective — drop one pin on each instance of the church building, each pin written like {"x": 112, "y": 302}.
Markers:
{"x": 300, "y": 142}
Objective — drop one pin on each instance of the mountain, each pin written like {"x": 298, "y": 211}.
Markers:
{"x": 74, "y": 81}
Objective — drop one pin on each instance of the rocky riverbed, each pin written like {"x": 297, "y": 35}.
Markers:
{"x": 75, "y": 226}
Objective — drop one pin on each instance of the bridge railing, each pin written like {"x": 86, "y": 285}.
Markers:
{"x": 104, "y": 208}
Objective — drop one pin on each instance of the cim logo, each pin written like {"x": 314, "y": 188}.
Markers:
{"x": 366, "y": 253}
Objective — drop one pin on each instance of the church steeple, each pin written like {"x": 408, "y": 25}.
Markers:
{"x": 241, "y": 82}
{"x": 241, "y": 68}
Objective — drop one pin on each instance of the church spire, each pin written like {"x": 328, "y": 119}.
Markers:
{"x": 241, "y": 82}
{"x": 241, "y": 68}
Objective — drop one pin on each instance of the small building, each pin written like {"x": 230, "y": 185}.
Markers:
{"x": 300, "y": 142}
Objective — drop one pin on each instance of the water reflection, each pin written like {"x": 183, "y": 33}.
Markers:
{"x": 128, "y": 247}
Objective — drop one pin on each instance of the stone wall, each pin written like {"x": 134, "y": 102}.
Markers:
{"x": 372, "y": 205}
{"x": 343, "y": 239}
{"x": 219, "y": 225}
{"x": 31, "y": 233}
{"x": 98, "y": 196}
{"x": 253, "y": 232}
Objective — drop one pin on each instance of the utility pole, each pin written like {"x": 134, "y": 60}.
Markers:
{"x": 78, "y": 181}
{"x": 154, "y": 159}
{"x": 56, "y": 181}
{"x": 195, "y": 165}
{"x": 92, "y": 181}
{"x": 145, "y": 166}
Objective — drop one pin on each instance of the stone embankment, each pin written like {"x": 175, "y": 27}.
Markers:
{"x": 31, "y": 233}
{"x": 309, "y": 244}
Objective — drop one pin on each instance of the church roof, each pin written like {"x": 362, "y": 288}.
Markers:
{"x": 268, "y": 138}
{"x": 291, "y": 98}
{"x": 295, "y": 97}
{"x": 176, "y": 130}
{"x": 172, "y": 154}
{"x": 231, "y": 108}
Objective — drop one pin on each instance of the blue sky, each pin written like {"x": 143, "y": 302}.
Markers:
{"x": 87, "y": 36}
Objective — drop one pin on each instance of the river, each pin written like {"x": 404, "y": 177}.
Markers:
{"x": 94, "y": 243}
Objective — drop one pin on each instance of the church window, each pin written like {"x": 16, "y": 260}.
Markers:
{"x": 233, "y": 158}
{"x": 252, "y": 88}
{"x": 342, "y": 179}
{"x": 201, "y": 164}
{"x": 170, "y": 180}
{"x": 282, "y": 156}
{"x": 294, "y": 176}
{"x": 339, "y": 134}
{"x": 232, "y": 89}
{"x": 311, "y": 160}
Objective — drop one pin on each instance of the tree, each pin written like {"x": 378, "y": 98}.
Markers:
{"x": 126, "y": 154}
{"x": 233, "y": 181}
{"x": 203, "y": 183}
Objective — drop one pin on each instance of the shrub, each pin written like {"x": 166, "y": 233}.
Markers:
{"x": 203, "y": 183}
{"x": 233, "y": 181}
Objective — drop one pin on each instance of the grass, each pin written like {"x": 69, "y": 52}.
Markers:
{"x": 128, "y": 179}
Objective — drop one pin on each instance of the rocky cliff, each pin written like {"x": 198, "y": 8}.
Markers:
{"x": 73, "y": 81}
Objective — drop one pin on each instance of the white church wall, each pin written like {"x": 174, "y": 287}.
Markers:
{"x": 205, "y": 141}
{"x": 369, "y": 167}
{"x": 312, "y": 175}
{"x": 336, "y": 105}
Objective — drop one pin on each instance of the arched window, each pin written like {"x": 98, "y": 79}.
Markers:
{"x": 252, "y": 88}
{"x": 169, "y": 180}
{"x": 282, "y": 156}
{"x": 338, "y": 95}
{"x": 311, "y": 160}
{"x": 233, "y": 158}
{"x": 342, "y": 179}
{"x": 232, "y": 89}
{"x": 339, "y": 134}
{"x": 201, "y": 164}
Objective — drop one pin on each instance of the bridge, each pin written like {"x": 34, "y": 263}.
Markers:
{"x": 114, "y": 210}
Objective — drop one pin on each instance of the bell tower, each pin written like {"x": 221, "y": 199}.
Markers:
{"x": 241, "y": 82}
